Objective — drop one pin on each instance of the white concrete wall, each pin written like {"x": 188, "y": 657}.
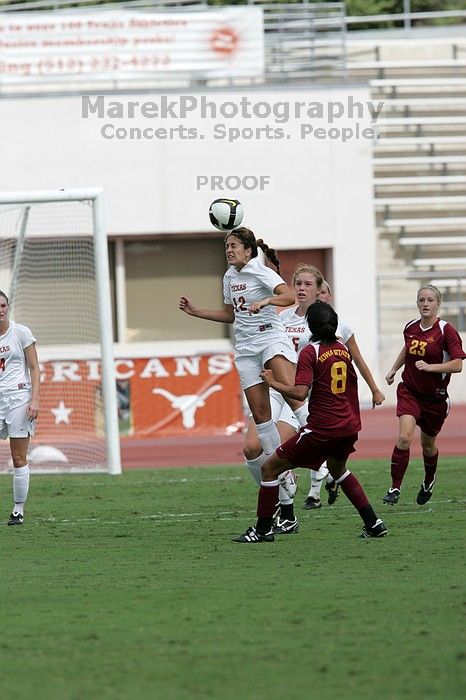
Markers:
{"x": 320, "y": 192}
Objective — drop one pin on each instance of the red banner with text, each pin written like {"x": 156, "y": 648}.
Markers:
{"x": 157, "y": 397}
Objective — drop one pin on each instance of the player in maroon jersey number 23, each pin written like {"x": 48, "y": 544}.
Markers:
{"x": 325, "y": 372}
{"x": 432, "y": 351}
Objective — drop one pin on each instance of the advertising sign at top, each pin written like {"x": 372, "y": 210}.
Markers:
{"x": 206, "y": 44}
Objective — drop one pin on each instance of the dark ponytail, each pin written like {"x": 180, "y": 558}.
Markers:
{"x": 322, "y": 321}
{"x": 270, "y": 254}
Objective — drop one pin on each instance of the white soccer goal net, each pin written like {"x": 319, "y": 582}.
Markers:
{"x": 54, "y": 269}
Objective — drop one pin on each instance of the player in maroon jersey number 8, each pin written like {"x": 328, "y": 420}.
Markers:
{"x": 432, "y": 351}
{"x": 332, "y": 427}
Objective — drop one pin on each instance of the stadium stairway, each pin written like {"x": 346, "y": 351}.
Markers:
{"x": 419, "y": 165}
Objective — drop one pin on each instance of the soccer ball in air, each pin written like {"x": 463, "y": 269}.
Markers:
{"x": 226, "y": 214}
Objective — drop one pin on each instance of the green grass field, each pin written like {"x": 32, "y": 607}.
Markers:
{"x": 122, "y": 587}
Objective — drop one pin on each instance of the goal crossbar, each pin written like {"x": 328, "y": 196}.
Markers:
{"x": 61, "y": 195}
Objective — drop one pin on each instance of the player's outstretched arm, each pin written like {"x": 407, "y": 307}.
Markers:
{"x": 225, "y": 315}
{"x": 32, "y": 361}
{"x": 299, "y": 393}
{"x": 399, "y": 362}
{"x": 377, "y": 396}
{"x": 282, "y": 297}
{"x": 449, "y": 367}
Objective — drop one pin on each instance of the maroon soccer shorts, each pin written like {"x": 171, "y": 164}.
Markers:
{"x": 307, "y": 449}
{"x": 429, "y": 416}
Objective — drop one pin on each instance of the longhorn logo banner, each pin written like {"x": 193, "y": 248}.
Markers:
{"x": 157, "y": 397}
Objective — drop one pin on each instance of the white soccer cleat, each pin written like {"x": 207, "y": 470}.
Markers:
{"x": 288, "y": 481}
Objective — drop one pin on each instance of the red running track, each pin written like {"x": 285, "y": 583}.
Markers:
{"x": 376, "y": 440}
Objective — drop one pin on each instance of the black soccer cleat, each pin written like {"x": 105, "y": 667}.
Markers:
{"x": 377, "y": 530}
{"x": 391, "y": 497}
{"x": 424, "y": 494}
{"x": 285, "y": 527}
{"x": 251, "y": 535}
{"x": 311, "y": 503}
{"x": 16, "y": 519}
{"x": 332, "y": 492}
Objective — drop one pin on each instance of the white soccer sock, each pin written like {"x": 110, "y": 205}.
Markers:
{"x": 316, "y": 485}
{"x": 317, "y": 478}
{"x": 301, "y": 414}
{"x": 283, "y": 497}
{"x": 269, "y": 436}
{"x": 255, "y": 467}
{"x": 321, "y": 473}
{"x": 20, "y": 488}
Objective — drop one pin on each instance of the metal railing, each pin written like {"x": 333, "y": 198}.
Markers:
{"x": 303, "y": 41}
{"x": 407, "y": 18}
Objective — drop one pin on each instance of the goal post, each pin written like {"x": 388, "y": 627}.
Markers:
{"x": 53, "y": 253}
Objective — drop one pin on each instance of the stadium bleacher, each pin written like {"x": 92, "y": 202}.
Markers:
{"x": 421, "y": 180}
{"x": 420, "y": 173}
{"x": 439, "y": 241}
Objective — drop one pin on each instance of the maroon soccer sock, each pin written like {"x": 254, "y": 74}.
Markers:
{"x": 355, "y": 493}
{"x": 430, "y": 467}
{"x": 399, "y": 465}
{"x": 268, "y": 498}
{"x": 353, "y": 490}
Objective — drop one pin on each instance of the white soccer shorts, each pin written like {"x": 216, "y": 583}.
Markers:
{"x": 14, "y": 422}
{"x": 250, "y": 366}
{"x": 286, "y": 415}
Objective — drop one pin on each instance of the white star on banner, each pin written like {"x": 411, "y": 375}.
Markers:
{"x": 61, "y": 413}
